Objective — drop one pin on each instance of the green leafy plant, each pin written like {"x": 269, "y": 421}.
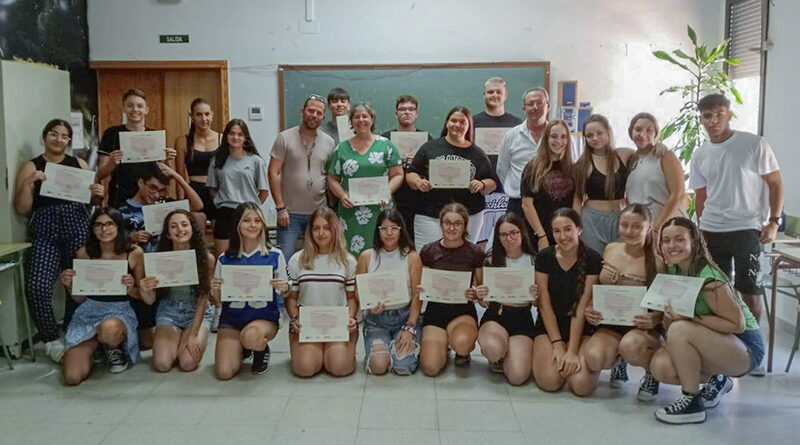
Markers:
{"x": 707, "y": 75}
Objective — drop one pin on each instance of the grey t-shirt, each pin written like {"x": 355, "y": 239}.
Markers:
{"x": 299, "y": 195}
{"x": 238, "y": 181}
{"x": 331, "y": 131}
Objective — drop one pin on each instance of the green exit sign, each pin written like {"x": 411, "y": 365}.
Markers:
{"x": 173, "y": 38}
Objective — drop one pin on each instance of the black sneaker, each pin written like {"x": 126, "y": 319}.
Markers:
{"x": 462, "y": 360}
{"x": 260, "y": 362}
{"x": 687, "y": 409}
{"x": 116, "y": 361}
{"x": 648, "y": 388}
{"x": 716, "y": 387}
{"x": 619, "y": 374}
{"x": 497, "y": 366}
{"x": 247, "y": 355}
{"x": 99, "y": 355}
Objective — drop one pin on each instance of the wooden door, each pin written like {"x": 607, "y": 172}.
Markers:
{"x": 180, "y": 89}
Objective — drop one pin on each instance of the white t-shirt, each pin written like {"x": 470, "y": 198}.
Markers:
{"x": 737, "y": 198}
{"x": 326, "y": 283}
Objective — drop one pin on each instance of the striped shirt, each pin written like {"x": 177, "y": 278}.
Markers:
{"x": 326, "y": 283}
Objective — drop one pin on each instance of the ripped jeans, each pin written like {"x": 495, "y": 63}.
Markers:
{"x": 381, "y": 331}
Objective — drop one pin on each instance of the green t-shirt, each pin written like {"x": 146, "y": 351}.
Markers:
{"x": 701, "y": 307}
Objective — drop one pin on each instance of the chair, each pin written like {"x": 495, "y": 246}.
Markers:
{"x": 5, "y": 348}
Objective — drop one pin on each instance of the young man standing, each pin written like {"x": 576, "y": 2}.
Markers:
{"x": 739, "y": 197}
{"x": 297, "y": 173}
{"x": 339, "y": 103}
{"x": 407, "y": 112}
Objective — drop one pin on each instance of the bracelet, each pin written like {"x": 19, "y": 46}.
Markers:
{"x": 293, "y": 319}
{"x": 411, "y": 330}
{"x": 280, "y": 209}
{"x": 482, "y": 183}
{"x": 556, "y": 341}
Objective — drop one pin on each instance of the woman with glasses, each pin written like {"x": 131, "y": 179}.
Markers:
{"x": 362, "y": 156}
{"x": 56, "y": 229}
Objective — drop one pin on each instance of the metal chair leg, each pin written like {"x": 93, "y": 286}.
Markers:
{"x": 7, "y": 353}
{"x": 28, "y": 323}
{"x": 796, "y": 341}
{"x": 766, "y": 302}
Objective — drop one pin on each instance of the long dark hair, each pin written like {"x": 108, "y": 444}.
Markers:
{"x": 465, "y": 111}
{"x": 581, "y": 168}
{"x": 404, "y": 243}
{"x": 497, "y": 256}
{"x": 196, "y": 243}
{"x": 190, "y": 135}
{"x": 580, "y": 281}
{"x": 121, "y": 244}
{"x": 700, "y": 255}
{"x": 649, "y": 245}
{"x": 224, "y": 149}
{"x": 235, "y": 245}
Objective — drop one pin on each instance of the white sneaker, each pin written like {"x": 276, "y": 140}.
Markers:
{"x": 55, "y": 349}
{"x": 116, "y": 361}
{"x": 759, "y": 371}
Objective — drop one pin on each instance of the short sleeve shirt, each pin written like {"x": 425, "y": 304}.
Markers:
{"x": 303, "y": 178}
{"x": 238, "y": 181}
{"x": 325, "y": 284}
{"x": 123, "y": 183}
{"x": 562, "y": 284}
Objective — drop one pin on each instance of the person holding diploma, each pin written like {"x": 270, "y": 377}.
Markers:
{"x": 323, "y": 273}
{"x": 339, "y": 104}
{"x": 248, "y": 325}
{"x": 547, "y": 183}
{"x": 721, "y": 339}
{"x": 600, "y": 177}
{"x": 565, "y": 274}
{"x": 183, "y": 316}
{"x": 631, "y": 262}
{"x": 506, "y": 332}
{"x": 364, "y": 155}
{"x": 392, "y": 333}
{"x": 455, "y": 144}
{"x": 103, "y": 321}
{"x": 56, "y": 229}
{"x": 453, "y": 326}
{"x": 236, "y": 174}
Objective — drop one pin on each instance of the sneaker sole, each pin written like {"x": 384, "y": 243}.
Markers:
{"x": 117, "y": 370}
{"x": 646, "y": 397}
{"x": 725, "y": 389}
{"x": 680, "y": 419}
{"x": 616, "y": 384}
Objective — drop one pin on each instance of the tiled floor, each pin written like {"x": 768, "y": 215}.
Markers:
{"x": 463, "y": 406}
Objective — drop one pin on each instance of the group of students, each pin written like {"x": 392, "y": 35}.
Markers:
{"x": 566, "y": 219}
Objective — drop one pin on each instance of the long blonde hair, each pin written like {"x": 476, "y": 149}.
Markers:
{"x": 338, "y": 245}
{"x": 581, "y": 170}
{"x": 541, "y": 164}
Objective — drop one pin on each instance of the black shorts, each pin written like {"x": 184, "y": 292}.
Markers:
{"x": 563, "y": 327}
{"x": 208, "y": 204}
{"x": 224, "y": 225}
{"x": 441, "y": 314}
{"x": 743, "y": 248}
{"x": 145, "y": 313}
{"x": 515, "y": 320}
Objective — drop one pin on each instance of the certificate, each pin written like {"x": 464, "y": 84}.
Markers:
{"x": 324, "y": 324}
{"x": 67, "y": 183}
{"x": 143, "y": 146}
{"x": 99, "y": 277}
{"x": 678, "y": 291}
{"x": 408, "y": 142}
{"x": 343, "y": 126}
{"x": 175, "y": 268}
{"x": 369, "y": 191}
{"x": 490, "y": 139}
{"x": 154, "y": 214}
{"x": 508, "y": 284}
{"x": 618, "y": 304}
{"x": 445, "y": 286}
{"x": 449, "y": 174}
{"x": 388, "y": 287}
{"x": 246, "y": 283}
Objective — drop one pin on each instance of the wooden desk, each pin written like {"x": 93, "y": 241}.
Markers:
{"x": 785, "y": 257}
{"x": 15, "y": 252}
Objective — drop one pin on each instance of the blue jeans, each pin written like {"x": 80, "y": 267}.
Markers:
{"x": 384, "y": 328}
{"x": 287, "y": 236}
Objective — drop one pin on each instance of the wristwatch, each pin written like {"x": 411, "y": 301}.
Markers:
{"x": 410, "y": 329}
{"x": 776, "y": 219}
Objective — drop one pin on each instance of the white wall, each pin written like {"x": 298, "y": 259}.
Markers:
{"x": 606, "y": 48}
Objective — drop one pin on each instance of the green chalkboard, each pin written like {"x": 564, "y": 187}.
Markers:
{"x": 438, "y": 87}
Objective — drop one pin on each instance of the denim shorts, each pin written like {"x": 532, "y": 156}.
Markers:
{"x": 384, "y": 328}
{"x": 180, "y": 313}
{"x": 755, "y": 346}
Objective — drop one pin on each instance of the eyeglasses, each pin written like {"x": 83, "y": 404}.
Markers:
{"x": 389, "y": 229}
{"x": 509, "y": 235}
{"x": 104, "y": 225}
{"x": 453, "y": 224}
{"x": 315, "y": 97}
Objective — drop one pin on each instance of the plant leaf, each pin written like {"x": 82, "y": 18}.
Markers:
{"x": 692, "y": 34}
{"x": 664, "y": 56}
{"x": 732, "y": 61}
{"x": 681, "y": 54}
{"x": 736, "y": 95}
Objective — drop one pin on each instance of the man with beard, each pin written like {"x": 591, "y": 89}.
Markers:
{"x": 297, "y": 173}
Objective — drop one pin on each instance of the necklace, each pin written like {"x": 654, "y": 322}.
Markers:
{"x": 600, "y": 156}
{"x": 309, "y": 152}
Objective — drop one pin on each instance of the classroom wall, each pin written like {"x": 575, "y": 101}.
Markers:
{"x": 606, "y": 48}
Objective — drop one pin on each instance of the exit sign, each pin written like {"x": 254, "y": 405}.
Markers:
{"x": 173, "y": 38}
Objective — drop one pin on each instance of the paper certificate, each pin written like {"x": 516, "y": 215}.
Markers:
{"x": 343, "y": 126}
{"x": 143, "y": 146}
{"x": 175, "y": 268}
{"x": 99, "y": 277}
{"x": 246, "y": 283}
{"x": 67, "y": 183}
{"x": 154, "y": 214}
{"x": 490, "y": 139}
{"x": 324, "y": 324}
{"x": 618, "y": 304}
{"x": 388, "y": 287}
{"x": 408, "y": 142}
{"x": 369, "y": 191}
{"x": 678, "y": 291}
{"x": 449, "y": 174}
{"x": 508, "y": 284}
{"x": 445, "y": 286}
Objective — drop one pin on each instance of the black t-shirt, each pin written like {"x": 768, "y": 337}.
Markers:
{"x": 562, "y": 284}
{"x": 556, "y": 190}
{"x": 430, "y": 203}
{"x": 405, "y": 196}
{"x": 505, "y": 120}
{"x": 124, "y": 177}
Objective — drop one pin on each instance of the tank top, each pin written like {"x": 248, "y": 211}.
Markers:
{"x": 393, "y": 260}
{"x": 45, "y": 201}
{"x": 197, "y": 161}
{"x": 610, "y": 274}
{"x": 596, "y": 182}
{"x": 647, "y": 184}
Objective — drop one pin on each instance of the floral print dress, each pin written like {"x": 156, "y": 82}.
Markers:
{"x": 359, "y": 222}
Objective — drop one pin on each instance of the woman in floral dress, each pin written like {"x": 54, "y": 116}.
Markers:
{"x": 362, "y": 156}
